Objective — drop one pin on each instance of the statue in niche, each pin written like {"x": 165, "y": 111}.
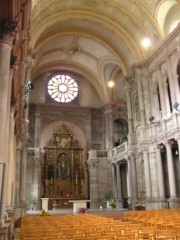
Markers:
{"x": 63, "y": 166}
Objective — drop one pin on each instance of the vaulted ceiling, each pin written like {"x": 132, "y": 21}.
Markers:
{"x": 98, "y": 39}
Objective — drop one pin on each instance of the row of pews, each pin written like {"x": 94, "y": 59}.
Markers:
{"x": 149, "y": 225}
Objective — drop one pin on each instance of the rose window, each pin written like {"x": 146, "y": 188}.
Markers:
{"x": 62, "y": 88}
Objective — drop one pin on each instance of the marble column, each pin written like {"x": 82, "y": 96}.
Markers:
{"x": 119, "y": 191}
{"x": 11, "y": 162}
{"x": 108, "y": 120}
{"x": 36, "y": 181}
{"x": 171, "y": 174}
{"x": 17, "y": 174}
{"x": 160, "y": 174}
{"x": 147, "y": 174}
{"x": 134, "y": 177}
{"x": 114, "y": 181}
{"x": 4, "y": 168}
{"x": 129, "y": 180}
{"x": 141, "y": 102}
{"x": 93, "y": 187}
{"x": 7, "y": 37}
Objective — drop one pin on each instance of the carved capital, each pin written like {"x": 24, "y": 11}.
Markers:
{"x": 8, "y": 32}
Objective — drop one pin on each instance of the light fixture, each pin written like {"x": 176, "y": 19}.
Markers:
{"x": 151, "y": 119}
{"x": 146, "y": 42}
{"x": 176, "y": 106}
{"x": 111, "y": 83}
{"x": 30, "y": 86}
{"x": 176, "y": 152}
{"x": 25, "y": 106}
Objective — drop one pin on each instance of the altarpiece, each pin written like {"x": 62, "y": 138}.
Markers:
{"x": 63, "y": 169}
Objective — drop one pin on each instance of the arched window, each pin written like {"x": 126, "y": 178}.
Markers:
{"x": 159, "y": 100}
{"x": 62, "y": 88}
{"x": 169, "y": 94}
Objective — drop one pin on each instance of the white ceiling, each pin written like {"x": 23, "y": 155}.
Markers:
{"x": 98, "y": 39}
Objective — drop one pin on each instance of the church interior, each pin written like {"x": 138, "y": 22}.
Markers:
{"x": 90, "y": 106}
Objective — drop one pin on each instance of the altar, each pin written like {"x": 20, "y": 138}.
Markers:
{"x": 77, "y": 204}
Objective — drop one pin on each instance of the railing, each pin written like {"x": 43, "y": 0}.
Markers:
{"x": 158, "y": 129}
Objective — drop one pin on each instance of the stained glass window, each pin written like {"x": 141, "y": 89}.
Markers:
{"x": 62, "y": 88}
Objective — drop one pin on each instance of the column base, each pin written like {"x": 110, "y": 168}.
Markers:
{"x": 173, "y": 202}
{"x": 162, "y": 203}
{"x": 119, "y": 203}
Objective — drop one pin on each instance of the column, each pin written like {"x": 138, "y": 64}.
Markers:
{"x": 178, "y": 142}
{"x": 11, "y": 163}
{"x": 119, "y": 191}
{"x": 6, "y": 43}
{"x": 3, "y": 191}
{"x": 7, "y": 38}
{"x": 114, "y": 181}
{"x": 133, "y": 176}
{"x": 172, "y": 183}
{"x": 166, "y": 98}
{"x": 36, "y": 181}
{"x": 173, "y": 83}
{"x": 147, "y": 174}
{"x": 129, "y": 109}
{"x": 154, "y": 100}
{"x": 37, "y": 130}
{"x": 17, "y": 173}
{"x": 108, "y": 126}
{"x": 93, "y": 187}
{"x": 129, "y": 180}
{"x": 162, "y": 99}
{"x": 23, "y": 175}
{"x": 160, "y": 174}
{"x": 176, "y": 89}
{"x": 141, "y": 102}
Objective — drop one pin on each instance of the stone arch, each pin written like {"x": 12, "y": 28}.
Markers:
{"x": 120, "y": 131}
{"x": 167, "y": 15}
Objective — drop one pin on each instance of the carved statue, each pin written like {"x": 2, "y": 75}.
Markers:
{"x": 63, "y": 166}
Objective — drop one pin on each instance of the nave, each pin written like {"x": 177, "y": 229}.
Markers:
{"x": 102, "y": 225}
